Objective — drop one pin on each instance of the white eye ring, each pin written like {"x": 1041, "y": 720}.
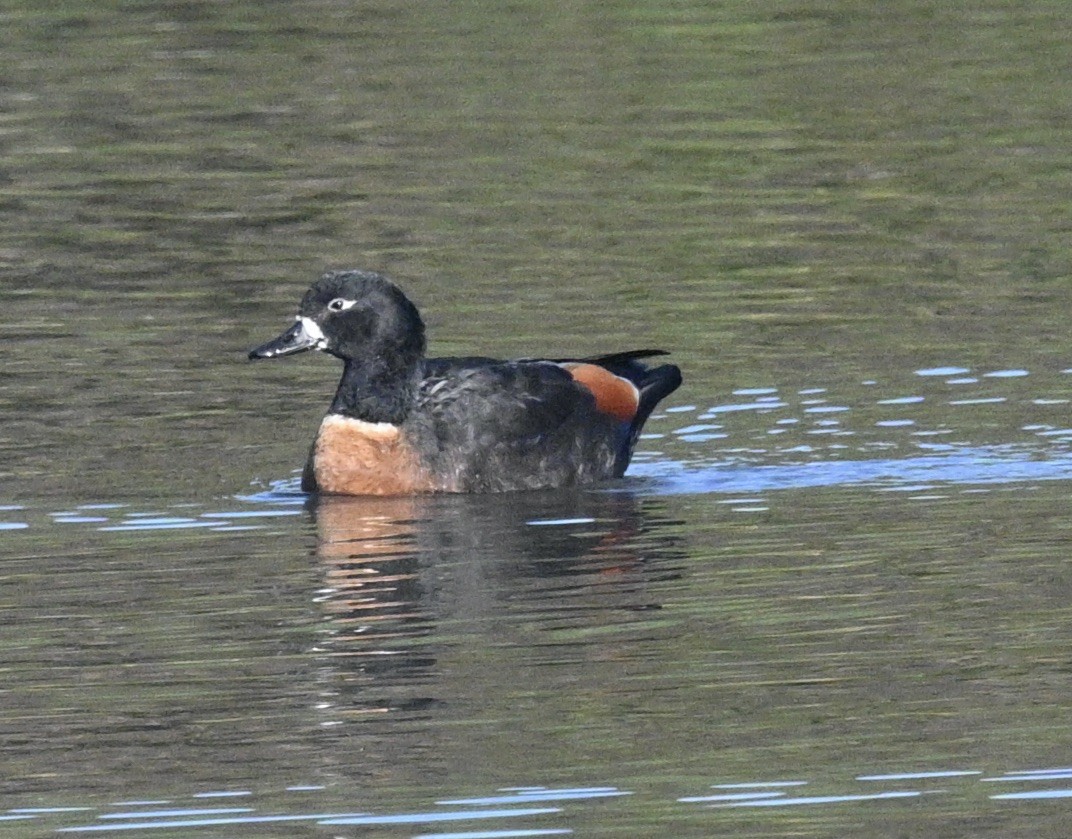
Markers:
{"x": 340, "y": 304}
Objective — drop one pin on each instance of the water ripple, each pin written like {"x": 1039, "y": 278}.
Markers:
{"x": 955, "y": 465}
{"x": 756, "y": 794}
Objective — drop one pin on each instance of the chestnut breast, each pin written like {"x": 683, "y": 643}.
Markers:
{"x": 354, "y": 457}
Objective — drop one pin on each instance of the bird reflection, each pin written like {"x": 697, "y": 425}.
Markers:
{"x": 410, "y": 579}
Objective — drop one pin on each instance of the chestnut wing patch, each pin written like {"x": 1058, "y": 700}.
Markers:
{"x": 615, "y": 396}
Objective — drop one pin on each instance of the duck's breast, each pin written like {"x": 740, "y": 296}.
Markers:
{"x": 355, "y": 457}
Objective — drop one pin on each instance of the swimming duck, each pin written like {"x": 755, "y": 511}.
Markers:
{"x": 401, "y": 423}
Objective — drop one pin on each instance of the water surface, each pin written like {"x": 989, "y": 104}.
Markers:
{"x": 831, "y": 597}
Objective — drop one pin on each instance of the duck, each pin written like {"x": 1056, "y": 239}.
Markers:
{"x": 402, "y": 423}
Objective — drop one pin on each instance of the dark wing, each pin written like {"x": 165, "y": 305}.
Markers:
{"x": 653, "y": 384}
{"x": 514, "y": 424}
{"x": 487, "y": 402}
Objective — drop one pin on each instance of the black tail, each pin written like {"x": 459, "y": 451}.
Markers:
{"x": 616, "y": 362}
{"x": 654, "y": 384}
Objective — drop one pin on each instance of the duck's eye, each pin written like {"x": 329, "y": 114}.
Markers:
{"x": 339, "y": 304}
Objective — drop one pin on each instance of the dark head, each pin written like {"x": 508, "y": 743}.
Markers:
{"x": 358, "y": 316}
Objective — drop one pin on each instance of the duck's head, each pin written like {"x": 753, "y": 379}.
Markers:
{"x": 358, "y": 316}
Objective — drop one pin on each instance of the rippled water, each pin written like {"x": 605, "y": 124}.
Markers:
{"x": 865, "y": 613}
{"x": 830, "y": 598}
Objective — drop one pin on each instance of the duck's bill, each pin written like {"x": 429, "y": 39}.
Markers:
{"x": 303, "y": 335}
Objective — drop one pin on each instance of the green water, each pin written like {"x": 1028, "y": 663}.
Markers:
{"x": 815, "y": 197}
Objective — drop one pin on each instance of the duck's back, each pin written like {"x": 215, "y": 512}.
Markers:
{"x": 486, "y": 425}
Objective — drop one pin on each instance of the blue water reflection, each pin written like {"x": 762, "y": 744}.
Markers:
{"x": 819, "y": 799}
{"x": 728, "y": 795}
{"x": 951, "y": 465}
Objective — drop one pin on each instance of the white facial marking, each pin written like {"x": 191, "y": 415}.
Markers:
{"x": 311, "y": 328}
{"x": 371, "y": 429}
{"x": 340, "y": 304}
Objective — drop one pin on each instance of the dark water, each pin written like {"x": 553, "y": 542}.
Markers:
{"x": 832, "y": 596}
